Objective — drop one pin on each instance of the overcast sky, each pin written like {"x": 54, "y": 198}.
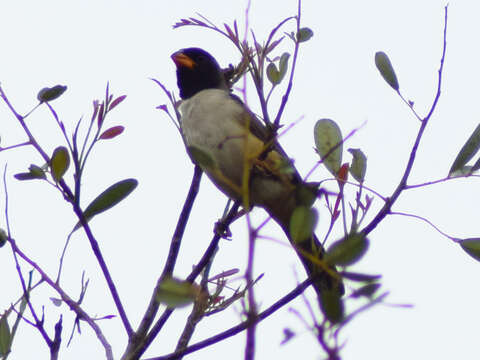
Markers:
{"x": 84, "y": 44}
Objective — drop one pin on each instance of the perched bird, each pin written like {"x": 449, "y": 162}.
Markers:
{"x": 245, "y": 160}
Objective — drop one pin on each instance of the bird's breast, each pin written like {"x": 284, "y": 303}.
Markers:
{"x": 212, "y": 122}
{"x": 218, "y": 125}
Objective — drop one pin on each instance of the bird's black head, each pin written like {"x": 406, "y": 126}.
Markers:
{"x": 197, "y": 70}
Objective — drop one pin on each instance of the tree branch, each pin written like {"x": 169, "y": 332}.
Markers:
{"x": 403, "y": 182}
{"x": 240, "y": 327}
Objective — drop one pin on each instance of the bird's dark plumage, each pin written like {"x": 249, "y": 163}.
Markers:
{"x": 220, "y": 125}
{"x": 197, "y": 70}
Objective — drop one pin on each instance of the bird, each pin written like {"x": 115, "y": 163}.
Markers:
{"x": 242, "y": 156}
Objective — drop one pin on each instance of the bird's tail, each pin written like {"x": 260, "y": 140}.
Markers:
{"x": 325, "y": 279}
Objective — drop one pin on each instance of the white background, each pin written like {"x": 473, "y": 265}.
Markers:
{"x": 84, "y": 44}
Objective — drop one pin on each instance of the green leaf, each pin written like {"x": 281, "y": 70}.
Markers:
{"x": 176, "y": 293}
{"x": 332, "y": 305}
{"x": 471, "y": 247}
{"x": 464, "y": 171}
{"x": 5, "y": 336}
{"x": 386, "y": 69}
{"x": 328, "y": 141}
{"x": 276, "y": 76}
{"x": 37, "y": 171}
{"x": 59, "y": 162}
{"x": 347, "y": 251}
{"x": 302, "y": 223}
{"x": 304, "y": 34}
{"x": 109, "y": 198}
{"x": 467, "y": 152}
{"x": 201, "y": 158}
{"x": 306, "y": 193}
{"x": 283, "y": 65}
{"x": 273, "y": 74}
{"x": 359, "y": 165}
{"x": 3, "y": 237}
{"x": 49, "y": 94}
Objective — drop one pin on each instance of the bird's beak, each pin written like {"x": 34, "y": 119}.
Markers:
{"x": 180, "y": 59}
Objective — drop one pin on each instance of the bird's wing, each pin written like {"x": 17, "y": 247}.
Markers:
{"x": 271, "y": 145}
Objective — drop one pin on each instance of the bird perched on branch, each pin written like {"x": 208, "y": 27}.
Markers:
{"x": 242, "y": 157}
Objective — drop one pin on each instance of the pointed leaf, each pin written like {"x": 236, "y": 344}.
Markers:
{"x": 302, "y": 223}
{"x": 5, "y": 336}
{"x": 176, "y": 293}
{"x": 366, "y": 290}
{"x": 304, "y": 34}
{"x": 100, "y": 115}
{"x": 117, "y": 101}
{"x": 359, "y": 165}
{"x": 347, "y": 251}
{"x": 332, "y": 305}
{"x": 224, "y": 274}
{"x": 59, "y": 162}
{"x": 109, "y": 198}
{"x": 288, "y": 334}
{"x": 471, "y": 247}
{"x": 35, "y": 172}
{"x": 56, "y": 301}
{"x": 25, "y": 176}
{"x": 359, "y": 277}
{"x": 467, "y": 152}
{"x": 386, "y": 69}
{"x": 328, "y": 141}
{"x": 49, "y": 94}
{"x": 112, "y": 132}
{"x": 273, "y": 45}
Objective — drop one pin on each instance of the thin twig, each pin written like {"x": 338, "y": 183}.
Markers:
{"x": 152, "y": 308}
{"x": 182, "y": 223}
{"x": 425, "y": 220}
{"x": 240, "y": 327}
{"x": 105, "y": 271}
{"x": 38, "y": 323}
{"x": 251, "y": 303}
{"x": 67, "y": 300}
{"x": 433, "y": 182}
{"x": 276, "y": 122}
{"x": 60, "y": 125}
{"x": 25, "y": 143}
{"x": 71, "y": 303}
{"x": 137, "y": 348}
{"x": 403, "y": 182}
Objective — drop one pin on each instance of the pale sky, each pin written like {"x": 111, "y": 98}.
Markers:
{"x": 84, "y": 44}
